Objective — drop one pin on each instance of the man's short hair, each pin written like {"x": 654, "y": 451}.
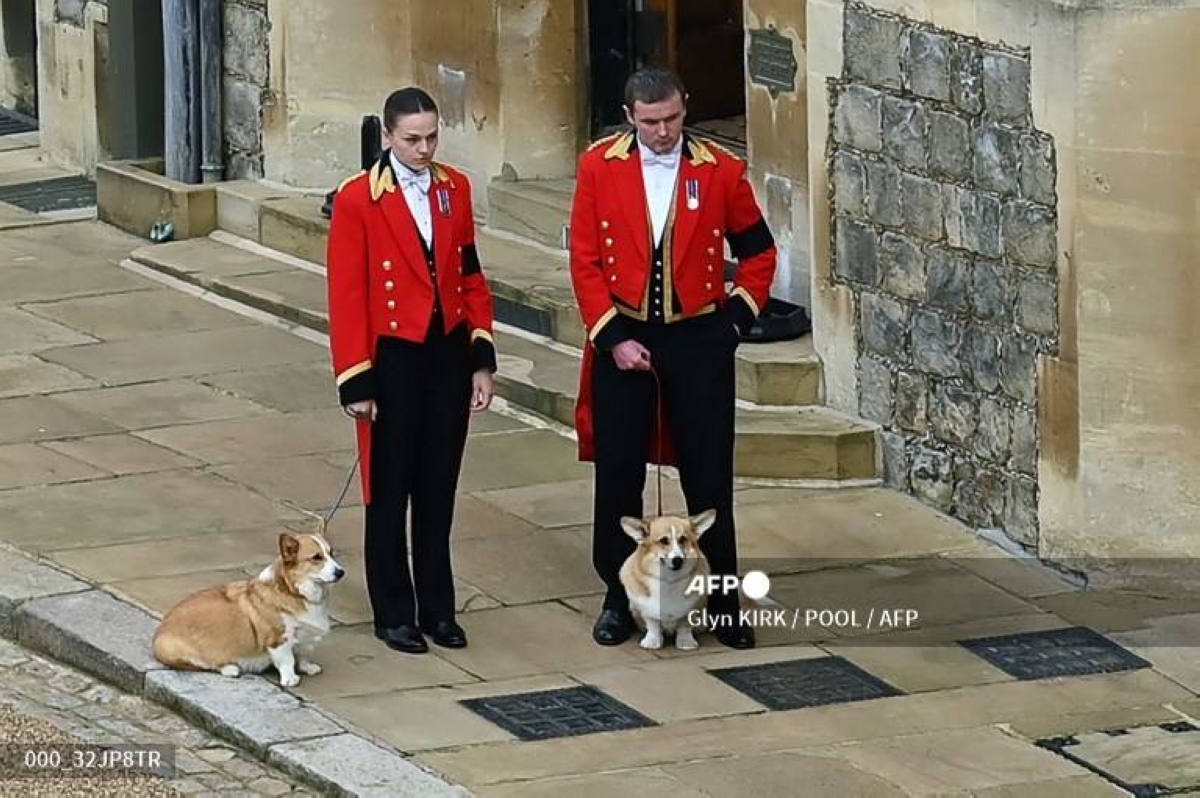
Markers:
{"x": 653, "y": 85}
{"x": 406, "y": 102}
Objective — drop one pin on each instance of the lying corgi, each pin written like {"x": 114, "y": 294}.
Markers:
{"x": 247, "y": 626}
{"x": 656, "y": 576}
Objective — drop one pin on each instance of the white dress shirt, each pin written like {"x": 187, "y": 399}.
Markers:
{"x": 415, "y": 187}
{"x": 659, "y": 175}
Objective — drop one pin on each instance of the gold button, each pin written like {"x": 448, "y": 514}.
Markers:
{"x": 712, "y": 251}
{"x": 612, "y": 278}
{"x": 460, "y": 250}
{"x": 387, "y": 265}
{"x": 459, "y": 289}
{"x": 716, "y": 233}
{"x": 389, "y": 285}
{"x": 393, "y": 325}
{"x": 608, "y": 242}
{"x": 710, "y": 267}
{"x": 391, "y": 304}
{"x": 460, "y": 311}
{"x": 603, "y": 224}
{"x": 611, "y": 259}
{"x": 708, "y": 286}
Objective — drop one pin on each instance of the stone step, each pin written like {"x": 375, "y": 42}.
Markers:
{"x": 532, "y": 289}
{"x": 540, "y": 374}
{"x": 535, "y": 209}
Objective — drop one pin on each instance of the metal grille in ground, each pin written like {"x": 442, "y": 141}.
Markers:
{"x": 567, "y": 712}
{"x": 805, "y": 683}
{"x": 45, "y": 196}
{"x": 1072, "y": 651}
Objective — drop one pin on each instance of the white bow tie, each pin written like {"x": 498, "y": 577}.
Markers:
{"x": 668, "y": 160}
{"x": 420, "y": 180}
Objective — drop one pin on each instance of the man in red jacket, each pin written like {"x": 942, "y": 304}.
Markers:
{"x": 653, "y": 208}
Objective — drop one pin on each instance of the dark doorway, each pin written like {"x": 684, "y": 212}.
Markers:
{"x": 19, "y": 22}
{"x": 132, "y": 119}
{"x": 702, "y": 40}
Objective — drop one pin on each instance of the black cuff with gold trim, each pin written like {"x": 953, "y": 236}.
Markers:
{"x": 470, "y": 261}
{"x": 749, "y": 242}
{"x": 611, "y": 334}
{"x": 740, "y": 313}
{"x": 483, "y": 355}
{"x": 358, "y": 388}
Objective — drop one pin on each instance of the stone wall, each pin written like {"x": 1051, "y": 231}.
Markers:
{"x": 943, "y": 196}
{"x": 18, "y": 50}
{"x": 244, "y": 86}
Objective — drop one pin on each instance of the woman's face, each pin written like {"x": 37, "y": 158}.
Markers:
{"x": 414, "y": 139}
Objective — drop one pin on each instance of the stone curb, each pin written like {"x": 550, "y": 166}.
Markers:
{"x": 23, "y": 579}
{"x": 66, "y": 618}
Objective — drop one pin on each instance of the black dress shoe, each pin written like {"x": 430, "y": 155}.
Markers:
{"x": 613, "y": 627}
{"x": 740, "y": 636}
{"x": 402, "y": 638}
{"x": 448, "y": 634}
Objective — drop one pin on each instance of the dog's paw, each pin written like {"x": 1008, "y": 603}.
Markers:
{"x": 309, "y": 668}
{"x": 651, "y": 641}
{"x": 686, "y": 641}
{"x": 289, "y": 680}
{"x": 232, "y": 671}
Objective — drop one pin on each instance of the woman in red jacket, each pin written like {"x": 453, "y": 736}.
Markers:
{"x": 410, "y": 328}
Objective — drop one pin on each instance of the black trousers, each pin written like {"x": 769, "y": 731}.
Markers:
{"x": 694, "y": 361}
{"x": 417, "y": 441}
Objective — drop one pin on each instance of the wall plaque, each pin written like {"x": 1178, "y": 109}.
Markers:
{"x": 772, "y": 63}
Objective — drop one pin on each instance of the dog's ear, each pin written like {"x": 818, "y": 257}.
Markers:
{"x": 289, "y": 547}
{"x": 701, "y": 522}
{"x": 635, "y": 528}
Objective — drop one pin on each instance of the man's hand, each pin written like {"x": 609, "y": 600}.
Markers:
{"x": 631, "y": 356}
{"x": 364, "y": 410}
{"x": 482, "y": 390}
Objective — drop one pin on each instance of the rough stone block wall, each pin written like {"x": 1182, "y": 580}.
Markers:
{"x": 244, "y": 86}
{"x": 943, "y": 196}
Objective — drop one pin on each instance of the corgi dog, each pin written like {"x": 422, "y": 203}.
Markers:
{"x": 656, "y": 576}
{"x": 247, "y": 626}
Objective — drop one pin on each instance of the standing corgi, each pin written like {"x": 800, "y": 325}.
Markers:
{"x": 247, "y": 626}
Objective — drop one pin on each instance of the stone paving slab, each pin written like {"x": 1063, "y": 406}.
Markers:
{"x": 271, "y": 436}
{"x": 290, "y": 388}
{"x": 31, "y": 281}
{"x": 349, "y": 765}
{"x": 248, "y": 710}
{"x": 138, "y": 507}
{"x": 781, "y": 775}
{"x": 643, "y": 782}
{"x": 158, "y": 358}
{"x": 94, "y": 631}
{"x": 309, "y": 480}
{"x": 24, "y": 464}
{"x": 26, "y": 419}
{"x": 24, "y": 332}
{"x": 158, "y": 594}
{"x": 349, "y": 604}
{"x": 23, "y": 578}
{"x": 27, "y": 374}
{"x": 546, "y": 565}
{"x": 963, "y": 708}
{"x": 121, "y": 454}
{"x": 490, "y": 461}
{"x": 148, "y": 405}
{"x": 445, "y": 722}
{"x": 204, "y": 258}
{"x": 152, "y": 312}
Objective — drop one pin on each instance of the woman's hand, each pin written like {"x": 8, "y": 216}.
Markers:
{"x": 364, "y": 410}
{"x": 482, "y": 390}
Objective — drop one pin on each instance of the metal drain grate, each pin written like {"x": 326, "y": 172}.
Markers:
{"x": 805, "y": 683}
{"x": 12, "y": 122}
{"x": 44, "y": 196}
{"x": 1073, "y": 651}
{"x": 567, "y": 712}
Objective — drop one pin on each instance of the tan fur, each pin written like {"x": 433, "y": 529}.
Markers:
{"x": 657, "y": 595}
{"x": 243, "y": 620}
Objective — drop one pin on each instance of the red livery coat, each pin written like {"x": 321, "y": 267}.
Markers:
{"x": 379, "y": 282}
{"x": 611, "y": 250}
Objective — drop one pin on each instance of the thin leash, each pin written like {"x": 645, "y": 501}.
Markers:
{"x": 324, "y": 522}
{"x": 658, "y": 411}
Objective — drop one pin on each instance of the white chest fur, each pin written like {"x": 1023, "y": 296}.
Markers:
{"x": 308, "y": 627}
{"x": 668, "y": 601}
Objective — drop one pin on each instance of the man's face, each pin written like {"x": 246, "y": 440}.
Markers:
{"x": 659, "y": 125}
{"x": 414, "y": 139}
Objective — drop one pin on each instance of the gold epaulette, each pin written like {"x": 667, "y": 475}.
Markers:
{"x": 440, "y": 174}
{"x": 602, "y": 141}
{"x": 620, "y": 148}
{"x": 721, "y": 149}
